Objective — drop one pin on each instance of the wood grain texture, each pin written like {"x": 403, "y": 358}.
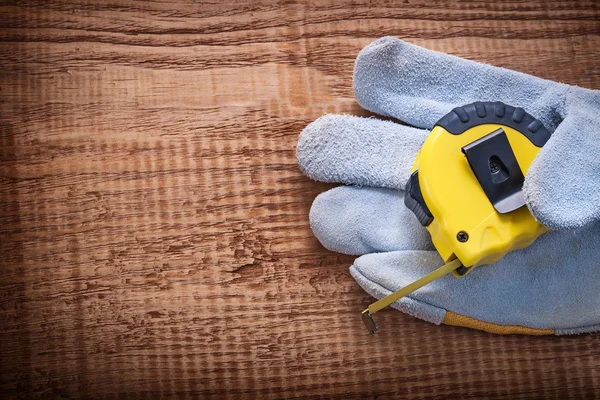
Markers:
{"x": 154, "y": 233}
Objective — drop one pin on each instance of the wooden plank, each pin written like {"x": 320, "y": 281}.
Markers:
{"x": 154, "y": 225}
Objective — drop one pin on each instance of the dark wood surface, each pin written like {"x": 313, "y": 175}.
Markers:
{"x": 154, "y": 237}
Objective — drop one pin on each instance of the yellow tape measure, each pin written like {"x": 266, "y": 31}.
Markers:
{"x": 466, "y": 188}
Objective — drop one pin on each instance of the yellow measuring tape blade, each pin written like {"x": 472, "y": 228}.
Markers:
{"x": 405, "y": 291}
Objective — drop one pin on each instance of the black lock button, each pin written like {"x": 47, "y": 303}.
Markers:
{"x": 413, "y": 199}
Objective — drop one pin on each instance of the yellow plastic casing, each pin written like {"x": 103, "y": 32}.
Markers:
{"x": 458, "y": 203}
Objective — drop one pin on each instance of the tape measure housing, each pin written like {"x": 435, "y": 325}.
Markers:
{"x": 466, "y": 186}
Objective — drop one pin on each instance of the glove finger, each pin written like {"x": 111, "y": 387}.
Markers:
{"x": 355, "y": 220}
{"x": 358, "y": 151}
{"x": 419, "y": 86}
{"x": 562, "y": 186}
{"x": 380, "y": 274}
{"x": 552, "y": 284}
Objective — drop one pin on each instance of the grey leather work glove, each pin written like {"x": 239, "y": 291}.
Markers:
{"x": 550, "y": 287}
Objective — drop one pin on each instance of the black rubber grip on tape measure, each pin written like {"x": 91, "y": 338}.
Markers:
{"x": 413, "y": 199}
{"x": 462, "y": 118}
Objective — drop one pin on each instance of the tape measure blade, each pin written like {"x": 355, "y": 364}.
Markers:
{"x": 411, "y": 287}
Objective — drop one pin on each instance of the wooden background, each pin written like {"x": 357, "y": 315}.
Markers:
{"x": 154, "y": 224}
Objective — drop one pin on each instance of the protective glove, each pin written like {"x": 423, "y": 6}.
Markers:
{"x": 550, "y": 287}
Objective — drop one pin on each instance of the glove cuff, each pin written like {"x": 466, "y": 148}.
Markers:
{"x": 460, "y": 320}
